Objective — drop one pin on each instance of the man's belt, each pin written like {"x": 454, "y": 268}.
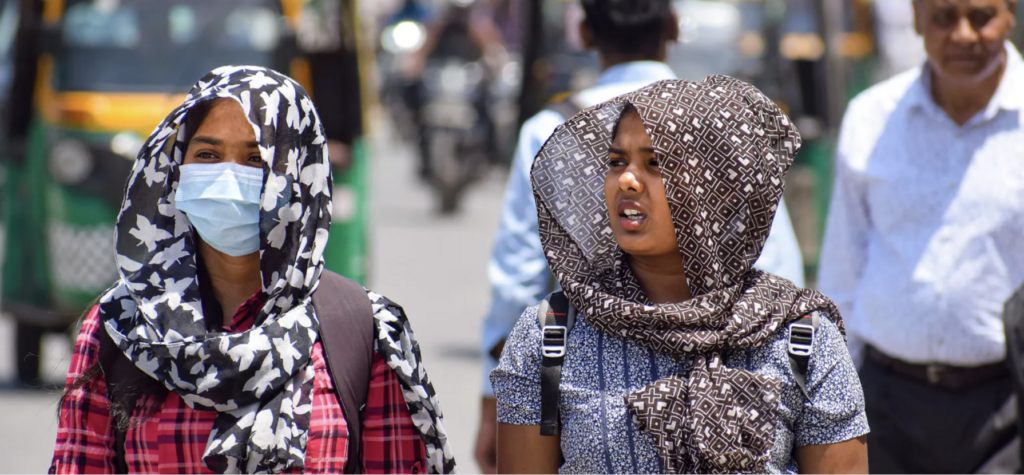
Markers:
{"x": 952, "y": 378}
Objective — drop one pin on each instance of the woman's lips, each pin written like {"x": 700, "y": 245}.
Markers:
{"x": 631, "y": 215}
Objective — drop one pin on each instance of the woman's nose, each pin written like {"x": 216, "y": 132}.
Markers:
{"x": 629, "y": 181}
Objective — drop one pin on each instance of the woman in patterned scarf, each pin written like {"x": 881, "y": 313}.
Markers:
{"x": 653, "y": 208}
{"x": 228, "y": 207}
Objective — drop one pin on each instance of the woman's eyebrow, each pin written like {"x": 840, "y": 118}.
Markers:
{"x": 218, "y": 142}
{"x": 208, "y": 140}
{"x": 619, "y": 151}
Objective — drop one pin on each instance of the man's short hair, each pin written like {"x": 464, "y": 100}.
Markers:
{"x": 628, "y": 26}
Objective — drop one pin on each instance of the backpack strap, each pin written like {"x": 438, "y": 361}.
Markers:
{"x": 801, "y": 343}
{"x": 120, "y": 462}
{"x": 556, "y": 316}
{"x": 567, "y": 108}
{"x": 346, "y": 332}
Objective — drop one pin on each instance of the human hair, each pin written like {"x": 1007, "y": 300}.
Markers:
{"x": 131, "y": 391}
{"x": 629, "y": 107}
{"x": 195, "y": 117}
{"x": 632, "y": 27}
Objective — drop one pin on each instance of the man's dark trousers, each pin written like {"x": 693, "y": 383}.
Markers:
{"x": 917, "y": 427}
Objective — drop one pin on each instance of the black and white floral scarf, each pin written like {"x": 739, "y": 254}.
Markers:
{"x": 259, "y": 381}
{"x": 724, "y": 149}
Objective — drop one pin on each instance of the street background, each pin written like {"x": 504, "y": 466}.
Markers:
{"x": 411, "y": 250}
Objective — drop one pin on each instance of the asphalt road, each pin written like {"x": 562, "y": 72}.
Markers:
{"x": 435, "y": 268}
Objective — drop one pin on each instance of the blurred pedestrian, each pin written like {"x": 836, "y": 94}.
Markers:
{"x": 680, "y": 357}
{"x": 632, "y": 39}
{"x": 210, "y": 352}
{"x": 925, "y": 240}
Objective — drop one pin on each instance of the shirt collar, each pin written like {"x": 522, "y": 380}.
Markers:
{"x": 636, "y": 71}
{"x": 1009, "y": 95}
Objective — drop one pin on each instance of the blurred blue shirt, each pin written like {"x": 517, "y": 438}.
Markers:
{"x": 518, "y": 270}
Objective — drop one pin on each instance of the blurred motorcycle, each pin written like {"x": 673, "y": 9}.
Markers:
{"x": 399, "y": 43}
{"x": 457, "y": 133}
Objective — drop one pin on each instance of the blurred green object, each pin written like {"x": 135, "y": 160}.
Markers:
{"x": 347, "y": 249}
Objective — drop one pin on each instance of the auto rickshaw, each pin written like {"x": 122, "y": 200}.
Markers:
{"x": 101, "y": 75}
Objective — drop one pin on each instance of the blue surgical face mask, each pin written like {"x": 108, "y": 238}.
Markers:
{"x": 222, "y": 201}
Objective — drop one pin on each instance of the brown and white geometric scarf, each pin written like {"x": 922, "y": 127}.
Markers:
{"x": 724, "y": 149}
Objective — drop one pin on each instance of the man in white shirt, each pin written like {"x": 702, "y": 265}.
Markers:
{"x": 632, "y": 38}
{"x": 925, "y": 241}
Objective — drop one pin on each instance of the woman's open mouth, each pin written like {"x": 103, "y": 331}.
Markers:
{"x": 631, "y": 215}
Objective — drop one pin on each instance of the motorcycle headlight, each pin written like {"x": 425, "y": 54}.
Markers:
{"x": 70, "y": 162}
{"x": 126, "y": 144}
{"x": 404, "y": 37}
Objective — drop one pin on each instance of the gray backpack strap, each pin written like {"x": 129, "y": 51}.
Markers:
{"x": 556, "y": 316}
{"x": 801, "y": 344}
{"x": 346, "y": 333}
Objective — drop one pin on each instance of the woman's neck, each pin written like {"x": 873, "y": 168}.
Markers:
{"x": 663, "y": 278}
{"x": 233, "y": 279}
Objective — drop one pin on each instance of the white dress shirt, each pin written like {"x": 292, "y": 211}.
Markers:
{"x": 518, "y": 270}
{"x": 925, "y": 237}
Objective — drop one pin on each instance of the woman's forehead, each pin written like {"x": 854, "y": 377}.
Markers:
{"x": 632, "y": 131}
{"x": 226, "y": 116}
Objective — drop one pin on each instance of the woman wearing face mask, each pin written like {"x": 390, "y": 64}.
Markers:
{"x": 207, "y": 355}
{"x": 653, "y": 208}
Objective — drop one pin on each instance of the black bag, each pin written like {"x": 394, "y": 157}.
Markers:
{"x": 346, "y": 333}
{"x": 1013, "y": 326}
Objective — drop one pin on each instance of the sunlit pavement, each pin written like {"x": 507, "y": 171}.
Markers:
{"x": 434, "y": 267}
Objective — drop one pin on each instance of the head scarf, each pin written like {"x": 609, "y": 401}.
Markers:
{"x": 723, "y": 148}
{"x": 259, "y": 381}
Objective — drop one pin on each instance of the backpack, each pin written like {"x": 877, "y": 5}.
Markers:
{"x": 347, "y": 336}
{"x": 556, "y": 316}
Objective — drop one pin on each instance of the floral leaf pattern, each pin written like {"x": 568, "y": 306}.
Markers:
{"x": 259, "y": 381}
{"x": 397, "y": 346}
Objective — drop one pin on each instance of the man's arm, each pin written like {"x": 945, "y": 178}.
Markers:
{"x": 518, "y": 272}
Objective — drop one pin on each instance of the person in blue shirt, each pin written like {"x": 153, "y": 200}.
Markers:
{"x": 632, "y": 44}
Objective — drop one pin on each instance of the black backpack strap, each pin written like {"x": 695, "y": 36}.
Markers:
{"x": 801, "y": 343}
{"x": 346, "y": 333}
{"x": 556, "y": 316}
{"x": 120, "y": 463}
{"x": 567, "y": 108}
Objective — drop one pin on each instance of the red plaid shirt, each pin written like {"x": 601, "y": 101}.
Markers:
{"x": 172, "y": 440}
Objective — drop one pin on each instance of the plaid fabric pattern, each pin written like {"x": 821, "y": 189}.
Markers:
{"x": 173, "y": 438}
